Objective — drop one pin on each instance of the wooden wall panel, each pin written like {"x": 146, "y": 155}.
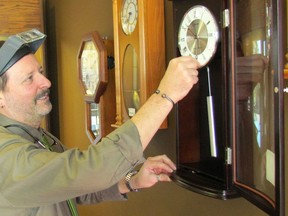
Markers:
{"x": 20, "y": 15}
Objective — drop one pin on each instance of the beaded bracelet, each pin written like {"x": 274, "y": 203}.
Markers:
{"x": 165, "y": 96}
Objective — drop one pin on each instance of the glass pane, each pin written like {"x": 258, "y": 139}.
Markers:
{"x": 95, "y": 119}
{"x": 254, "y": 98}
{"x": 90, "y": 67}
{"x": 131, "y": 81}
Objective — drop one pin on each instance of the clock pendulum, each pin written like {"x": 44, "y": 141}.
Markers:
{"x": 210, "y": 110}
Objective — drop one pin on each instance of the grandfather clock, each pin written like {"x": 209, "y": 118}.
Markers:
{"x": 139, "y": 42}
{"x": 230, "y": 134}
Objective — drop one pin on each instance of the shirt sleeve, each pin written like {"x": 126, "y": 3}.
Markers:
{"x": 110, "y": 194}
{"x": 33, "y": 177}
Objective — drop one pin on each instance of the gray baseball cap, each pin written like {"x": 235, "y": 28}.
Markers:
{"x": 19, "y": 45}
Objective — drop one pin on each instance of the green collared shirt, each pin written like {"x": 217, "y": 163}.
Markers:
{"x": 35, "y": 181}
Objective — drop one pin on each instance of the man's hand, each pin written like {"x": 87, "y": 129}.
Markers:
{"x": 154, "y": 169}
{"x": 181, "y": 75}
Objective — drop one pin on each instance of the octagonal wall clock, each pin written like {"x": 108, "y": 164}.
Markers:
{"x": 93, "y": 77}
{"x": 92, "y": 66}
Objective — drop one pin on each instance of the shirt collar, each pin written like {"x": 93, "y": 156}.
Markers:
{"x": 5, "y": 121}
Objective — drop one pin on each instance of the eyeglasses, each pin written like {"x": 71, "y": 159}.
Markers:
{"x": 45, "y": 143}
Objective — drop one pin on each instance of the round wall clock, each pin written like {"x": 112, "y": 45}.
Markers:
{"x": 198, "y": 34}
{"x": 129, "y": 16}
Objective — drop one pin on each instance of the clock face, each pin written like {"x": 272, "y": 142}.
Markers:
{"x": 129, "y": 16}
{"x": 198, "y": 34}
{"x": 90, "y": 67}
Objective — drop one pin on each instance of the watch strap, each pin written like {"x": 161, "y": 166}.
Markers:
{"x": 127, "y": 181}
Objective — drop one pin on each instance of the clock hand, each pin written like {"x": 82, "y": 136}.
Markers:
{"x": 197, "y": 45}
{"x": 191, "y": 32}
{"x": 128, "y": 17}
{"x": 203, "y": 37}
{"x": 194, "y": 47}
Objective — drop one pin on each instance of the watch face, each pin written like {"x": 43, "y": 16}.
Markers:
{"x": 129, "y": 16}
{"x": 198, "y": 34}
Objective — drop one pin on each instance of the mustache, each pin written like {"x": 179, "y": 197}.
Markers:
{"x": 42, "y": 94}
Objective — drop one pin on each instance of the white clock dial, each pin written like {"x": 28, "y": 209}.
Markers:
{"x": 198, "y": 34}
{"x": 129, "y": 16}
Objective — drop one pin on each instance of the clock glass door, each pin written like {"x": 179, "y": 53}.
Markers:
{"x": 257, "y": 111}
{"x": 131, "y": 82}
{"x": 95, "y": 119}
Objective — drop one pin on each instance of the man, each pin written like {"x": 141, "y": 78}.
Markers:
{"x": 37, "y": 176}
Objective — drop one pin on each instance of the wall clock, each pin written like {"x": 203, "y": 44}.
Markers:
{"x": 92, "y": 66}
{"x": 93, "y": 77}
{"x": 139, "y": 39}
{"x": 198, "y": 34}
{"x": 242, "y": 71}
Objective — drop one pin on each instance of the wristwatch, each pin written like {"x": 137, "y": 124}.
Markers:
{"x": 127, "y": 181}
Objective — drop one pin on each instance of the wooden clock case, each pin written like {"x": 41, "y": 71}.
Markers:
{"x": 100, "y": 104}
{"x": 148, "y": 42}
{"x": 247, "y": 87}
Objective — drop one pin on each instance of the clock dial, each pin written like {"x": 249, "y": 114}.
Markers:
{"x": 90, "y": 67}
{"x": 198, "y": 34}
{"x": 129, "y": 16}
